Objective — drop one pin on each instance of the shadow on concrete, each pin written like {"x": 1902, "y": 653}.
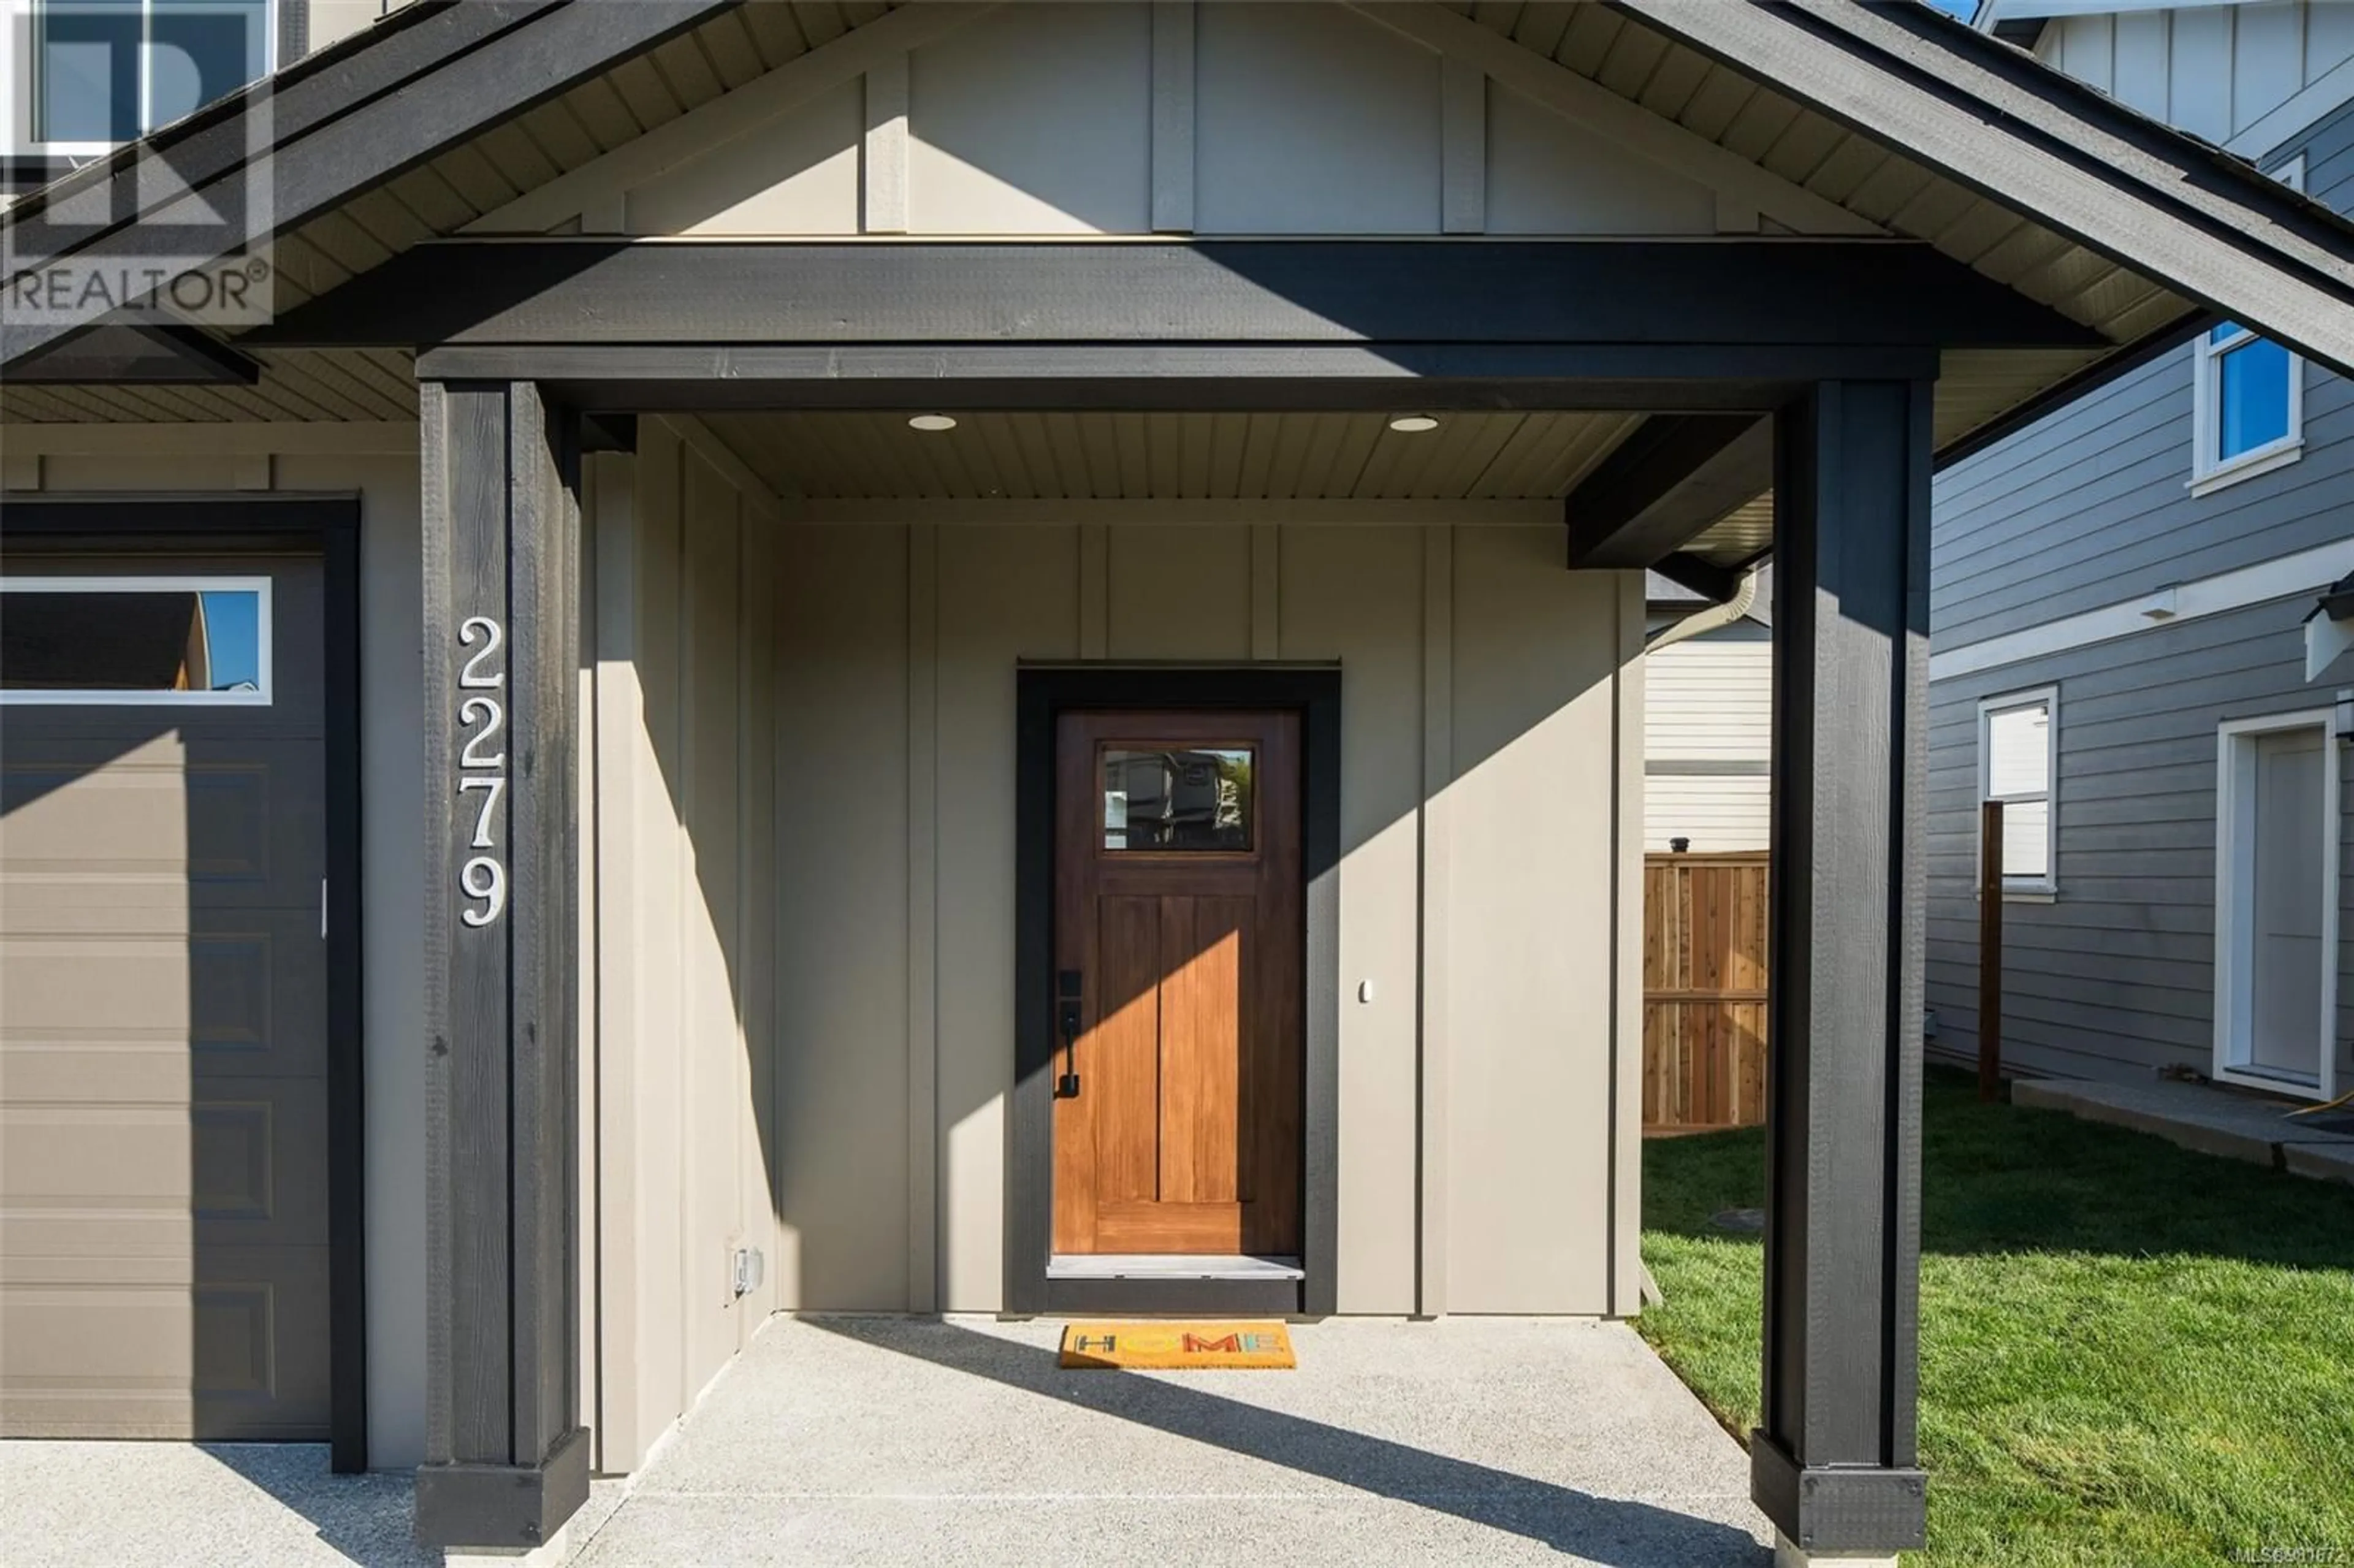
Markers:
{"x": 363, "y": 1517}
{"x": 1620, "y": 1532}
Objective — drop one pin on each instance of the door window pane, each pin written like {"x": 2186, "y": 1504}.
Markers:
{"x": 1191, "y": 798}
{"x": 2253, "y": 395}
{"x": 86, "y": 70}
{"x": 73, "y": 640}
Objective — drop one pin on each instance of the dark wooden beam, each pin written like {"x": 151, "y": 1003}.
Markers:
{"x": 507, "y": 1460}
{"x": 1180, "y": 377}
{"x": 273, "y": 157}
{"x": 1764, "y": 292}
{"x": 1665, "y": 484}
{"x": 1834, "y": 1462}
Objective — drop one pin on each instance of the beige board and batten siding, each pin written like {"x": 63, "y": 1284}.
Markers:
{"x": 680, "y": 629}
{"x": 901, "y": 641}
{"x": 377, "y": 463}
{"x": 1707, "y": 738}
{"x": 1264, "y": 119}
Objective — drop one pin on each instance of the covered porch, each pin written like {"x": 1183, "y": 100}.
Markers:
{"x": 793, "y": 464}
{"x": 1474, "y": 1149}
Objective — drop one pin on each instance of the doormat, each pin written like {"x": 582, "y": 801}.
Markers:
{"x": 1177, "y": 1346}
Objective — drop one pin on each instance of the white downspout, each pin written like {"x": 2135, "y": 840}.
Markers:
{"x": 1745, "y": 594}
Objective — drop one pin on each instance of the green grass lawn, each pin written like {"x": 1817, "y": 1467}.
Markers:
{"x": 2130, "y": 1353}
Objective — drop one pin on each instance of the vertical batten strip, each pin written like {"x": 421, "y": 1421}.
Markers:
{"x": 1172, "y": 116}
{"x": 1622, "y": 1225}
{"x": 1438, "y": 773}
{"x": 1095, "y": 591}
{"x": 883, "y": 177}
{"x": 1266, "y": 591}
{"x": 923, "y": 918}
{"x": 1463, "y": 201}
{"x": 619, "y": 750}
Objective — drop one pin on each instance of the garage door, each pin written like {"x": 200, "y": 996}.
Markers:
{"x": 164, "y": 1235}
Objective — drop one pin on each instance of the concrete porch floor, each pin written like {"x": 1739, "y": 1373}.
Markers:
{"x": 887, "y": 1440}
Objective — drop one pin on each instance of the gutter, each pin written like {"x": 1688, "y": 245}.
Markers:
{"x": 1745, "y": 595}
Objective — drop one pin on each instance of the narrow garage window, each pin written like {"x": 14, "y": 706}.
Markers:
{"x": 135, "y": 640}
{"x": 2018, "y": 765}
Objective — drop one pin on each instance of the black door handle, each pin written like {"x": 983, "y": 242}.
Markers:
{"x": 1068, "y": 1016}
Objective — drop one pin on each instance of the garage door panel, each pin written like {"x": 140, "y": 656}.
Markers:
{"x": 246, "y": 996}
{"x": 163, "y": 1227}
{"x": 201, "y": 822}
{"x": 100, "y": 1349}
{"x": 238, "y": 1166}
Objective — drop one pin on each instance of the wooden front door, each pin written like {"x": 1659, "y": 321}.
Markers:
{"x": 1178, "y": 990}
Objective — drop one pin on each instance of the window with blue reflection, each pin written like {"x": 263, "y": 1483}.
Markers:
{"x": 2252, "y": 398}
{"x": 198, "y": 51}
{"x": 86, "y": 69}
{"x": 91, "y": 639}
{"x": 109, "y": 70}
{"x": 2247, "y": 394}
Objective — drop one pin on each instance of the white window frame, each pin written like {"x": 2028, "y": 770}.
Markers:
{"x": 2208, "y": 471}
{"x": 2234, "y": 913}
{"x": 16, "y": 83}
{"x": 2027, "y": 889}
{"x": 265, "y": 661}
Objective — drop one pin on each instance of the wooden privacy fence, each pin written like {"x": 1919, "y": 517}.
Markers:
{"x": 1704, "y": 991}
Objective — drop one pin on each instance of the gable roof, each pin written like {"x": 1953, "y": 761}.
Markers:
{"x": 1894, "y": 115}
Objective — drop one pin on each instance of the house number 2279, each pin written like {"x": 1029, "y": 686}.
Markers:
{"x": 480, "y": 770}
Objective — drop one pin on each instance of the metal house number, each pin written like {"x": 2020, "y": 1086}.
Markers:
{"x": 479, "y": 770}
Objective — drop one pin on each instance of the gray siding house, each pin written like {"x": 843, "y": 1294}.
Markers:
{"x": 2119, "y": 594}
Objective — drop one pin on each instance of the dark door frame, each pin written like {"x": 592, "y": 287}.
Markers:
{"x": 1041, "y": 692}
{"x": 263, "y": 523}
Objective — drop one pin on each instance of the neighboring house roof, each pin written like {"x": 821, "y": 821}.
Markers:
{"x": 1825, "y": 117}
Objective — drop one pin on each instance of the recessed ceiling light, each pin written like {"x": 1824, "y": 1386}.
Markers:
{"x": 1412, "y": 424}
{"x": 933, "y": 422}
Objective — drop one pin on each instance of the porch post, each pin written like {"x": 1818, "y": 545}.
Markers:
{"x": 1834, "y": 1465}
{"x": 507, "y": 1460}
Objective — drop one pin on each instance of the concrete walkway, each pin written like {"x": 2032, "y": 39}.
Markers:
{"x": 875, "y": 1441}
{"x": 880, "y": 1440}
{"x": 2207, "y": 1118}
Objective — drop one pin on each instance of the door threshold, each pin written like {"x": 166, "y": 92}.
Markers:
{"x": 1170, "y": 1265}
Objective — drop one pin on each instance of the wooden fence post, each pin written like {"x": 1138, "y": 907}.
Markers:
{"x": 1991, "y": 951}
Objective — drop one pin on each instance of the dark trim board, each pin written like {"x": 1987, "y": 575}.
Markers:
{"x": 1177, "y": 377}
{"x": 1779, "y": 292}
{"x": 1041, "y": 692}
{"x": 2213, "y": 229}
{"x": 256, "y": 523}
